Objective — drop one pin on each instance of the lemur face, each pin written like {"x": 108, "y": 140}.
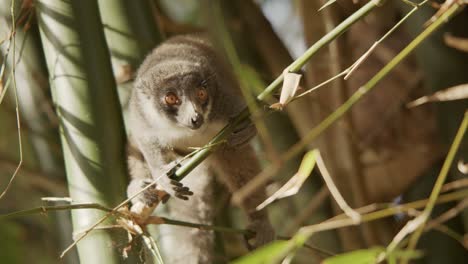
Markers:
{"x": 184, "y": 99}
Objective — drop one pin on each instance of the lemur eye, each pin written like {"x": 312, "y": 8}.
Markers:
{"x": 171, "y": 99}
{"x": 202, "y": 94}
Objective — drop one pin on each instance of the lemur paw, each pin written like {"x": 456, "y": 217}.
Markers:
{"x": 152, "y": 195}
{"x": 174, "y": 187}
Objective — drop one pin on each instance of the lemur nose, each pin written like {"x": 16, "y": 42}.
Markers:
{"x": 197, "y": 120}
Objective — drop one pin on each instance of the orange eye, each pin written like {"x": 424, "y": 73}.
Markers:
{"x": 171, "y": 99}
{"x": 202, "y": 94}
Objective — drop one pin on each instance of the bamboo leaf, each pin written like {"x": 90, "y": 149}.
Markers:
{"x": 288, "y": 91}
{"x": 371, "y": 255}
{"x": 292, "y": 186}
{"x": 264, "y": 254}
{"x": 364, "y": 256}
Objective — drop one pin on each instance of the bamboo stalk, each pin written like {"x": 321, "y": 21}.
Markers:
{"x": 91, "y": 127}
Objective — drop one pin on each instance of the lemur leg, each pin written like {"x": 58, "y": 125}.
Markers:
{"x": 140, "y": 178}
{"x": 184, "y": 244}
{"x": 237, "y": 166}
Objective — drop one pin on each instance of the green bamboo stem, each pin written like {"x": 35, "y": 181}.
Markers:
{"x": 325, "y": 40}
{"x": 50, "y": 208}
{"x": 91, "y": 126}
{"x": 164, "y": 220}
{"x": 440, "y": 181}
{"x": 294, "y": 67}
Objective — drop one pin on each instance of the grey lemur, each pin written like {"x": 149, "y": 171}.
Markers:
{"x": 183, "y": 96}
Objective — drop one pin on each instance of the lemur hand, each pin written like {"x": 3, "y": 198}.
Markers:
{"x": 171, "y": 186}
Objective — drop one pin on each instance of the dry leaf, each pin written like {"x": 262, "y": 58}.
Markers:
{"x": 454, "y": 93}
{"x": 456, "y": 42}
{"x": 290, "y": 85}
{"x": 289, "y": 89}
{"x": 328, "y": 3}
{"x": 292, "y": 186}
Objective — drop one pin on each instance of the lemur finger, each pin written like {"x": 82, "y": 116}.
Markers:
{"x": 184, "y": 192}
{"x": 180, "y": 189}
{"x": 181, "y": 197}
{"x": 176, "y": 183}
{"x": 183, "y": 189}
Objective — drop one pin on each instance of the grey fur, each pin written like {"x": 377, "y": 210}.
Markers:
{"x": 159, "y": 134}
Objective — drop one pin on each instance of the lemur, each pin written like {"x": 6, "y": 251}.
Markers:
{"x": 183, "y": 96}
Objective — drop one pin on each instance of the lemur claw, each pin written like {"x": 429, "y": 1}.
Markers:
{"x": 182, "y": 192}
{"x": 176, "y": 183}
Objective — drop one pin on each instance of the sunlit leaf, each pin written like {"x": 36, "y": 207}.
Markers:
{"x": 264, "y": 254}
{"x": 406, "y": 254}
{"x": 363, "y": 256}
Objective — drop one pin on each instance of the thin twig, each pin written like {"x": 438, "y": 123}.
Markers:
{"x": 18, "y": 123}
{"x": 49, "y": 208}
{"x": 335, "y": 192}
{"x": 454, "y": 185}
{"x": 445, "y": 168}
{"x": 448, "y": 214}
{"x": 379, "y": 41}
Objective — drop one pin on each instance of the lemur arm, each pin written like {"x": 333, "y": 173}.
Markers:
{"x": 144, "y": 173}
